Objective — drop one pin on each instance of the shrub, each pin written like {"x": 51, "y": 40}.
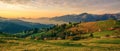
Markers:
{"x": 1, "y": 41}
{"x": 107, "y": 35}
{"x": 76, "y": 38}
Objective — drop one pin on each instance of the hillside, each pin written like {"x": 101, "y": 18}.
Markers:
{"x": 95, "y": 26}
{"x": 16, "y": 26}
{"x": 80, "y": 30}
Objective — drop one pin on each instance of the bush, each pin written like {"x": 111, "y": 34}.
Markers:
{"x": 76, "y": 38}
{"x": 107, "y": 35}
{"x": 1, "y": 41}
{"x": 91, "y": 35}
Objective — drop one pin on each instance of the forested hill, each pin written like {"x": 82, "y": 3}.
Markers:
{"x": 79, "y": 30}
{"x": 16, "y": 26}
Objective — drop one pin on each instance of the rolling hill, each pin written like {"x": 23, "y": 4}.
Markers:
{"x": 80, "y": 30}
{"x": 15, "y": 26}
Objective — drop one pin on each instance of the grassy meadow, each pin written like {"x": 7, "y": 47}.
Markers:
{"x": 94, "y": 44}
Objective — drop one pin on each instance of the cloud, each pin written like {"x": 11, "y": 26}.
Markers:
{"x": 15, "y": 1}
{"x": 89, "y": 5}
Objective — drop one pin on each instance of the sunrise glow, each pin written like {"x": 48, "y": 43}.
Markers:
{"x": 52, "y": 8}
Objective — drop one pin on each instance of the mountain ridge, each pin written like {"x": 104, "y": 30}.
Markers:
{"x": 16, "y": 26}
{"x": 86, "y": 17}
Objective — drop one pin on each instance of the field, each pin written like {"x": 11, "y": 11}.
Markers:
{"x": 15, "y": 44}
{"x": 105, "y": 37}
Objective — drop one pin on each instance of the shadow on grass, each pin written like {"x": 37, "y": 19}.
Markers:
{"x": 1, "y": 41}
{"x": 67, "y": 44}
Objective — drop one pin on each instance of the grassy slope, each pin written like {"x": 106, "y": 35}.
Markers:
{"x": 95, "y": 26}
{"x": 4, "y": 35}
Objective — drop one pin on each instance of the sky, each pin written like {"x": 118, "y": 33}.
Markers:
{"x": 52, "y": 8}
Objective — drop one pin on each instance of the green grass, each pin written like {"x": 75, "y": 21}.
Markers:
{"x": 2, "y": 35}
{"x": 104, "y": 33}
{"x": 101, "y": 34}
{"x": 16, "y": 44}
{"x": 106, "y": 24}
{"x": 109, "y": 41}
{"x": 67, "y": 44}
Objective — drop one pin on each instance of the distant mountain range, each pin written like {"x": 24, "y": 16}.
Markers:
{"x": 19, "y": 25}
{"x": 15, "y": 26}
{"x": 86, "y": 17}
{"x": 43, "y": 21}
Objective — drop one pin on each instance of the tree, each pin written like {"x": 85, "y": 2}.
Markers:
{"x": 76, "y": 38}
{"x": 35, "y": 30}
{"x": 70, "y": 22}
{"x": 63, "y": 26}
{"x": 1, "y": 32}
{"x": 91, "y": 35}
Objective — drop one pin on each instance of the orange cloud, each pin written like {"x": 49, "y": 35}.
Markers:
{"x": 51, "y": 8}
